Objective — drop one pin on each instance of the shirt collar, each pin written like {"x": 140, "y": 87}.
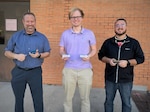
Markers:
{"x": 33, "y": 34}
{"x": 81, "y": 32}
{"x": 126, "y": 39}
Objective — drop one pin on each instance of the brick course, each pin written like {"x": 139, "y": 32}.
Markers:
{"x": 52, "y": 20}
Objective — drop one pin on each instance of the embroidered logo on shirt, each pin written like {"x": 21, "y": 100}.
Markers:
{"x": 127, "y": 49}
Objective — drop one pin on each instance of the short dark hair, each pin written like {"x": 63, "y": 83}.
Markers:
{"x": 28, "y": 13}
{"x": 122, "y": 20}
{"x": 75, "y": 9}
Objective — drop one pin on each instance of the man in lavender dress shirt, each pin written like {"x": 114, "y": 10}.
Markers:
{"x": 77, "y": 46}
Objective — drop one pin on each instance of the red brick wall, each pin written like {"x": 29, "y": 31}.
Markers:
{"x": 52, "y": 20}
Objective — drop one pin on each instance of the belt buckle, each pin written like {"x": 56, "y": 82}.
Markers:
{"x": 27, "y": 69}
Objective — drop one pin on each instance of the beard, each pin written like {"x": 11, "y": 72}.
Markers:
{"x": 120, "y": 34}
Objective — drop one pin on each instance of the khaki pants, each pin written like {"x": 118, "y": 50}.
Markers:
{"x": 82, "y": 78}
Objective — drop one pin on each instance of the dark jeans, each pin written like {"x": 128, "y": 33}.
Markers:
{"x": 125, "y": 93}
{"x": 20, "y": 78}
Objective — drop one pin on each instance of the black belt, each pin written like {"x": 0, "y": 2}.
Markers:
{"x": 27, "y": 69}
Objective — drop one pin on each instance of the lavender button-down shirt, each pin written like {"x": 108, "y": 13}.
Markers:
{"x": 77, "y": 44}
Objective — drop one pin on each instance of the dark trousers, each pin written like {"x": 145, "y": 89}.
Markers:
{"x": 33, "y": 77}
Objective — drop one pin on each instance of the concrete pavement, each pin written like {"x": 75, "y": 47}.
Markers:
{"x": 53, "y": 99}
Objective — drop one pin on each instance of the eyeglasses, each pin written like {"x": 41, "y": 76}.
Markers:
{"x": 120, "y": 25}
{"x": 75, "y": 17}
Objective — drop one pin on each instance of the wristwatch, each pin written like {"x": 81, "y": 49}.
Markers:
{"x": 39, "y": 56}
{"x": 128, "y": 62}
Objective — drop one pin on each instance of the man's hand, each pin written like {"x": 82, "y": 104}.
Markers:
{"x": 65, "y": 56}
{"x": 113, "y": 62}
{"x": 34, "y": 55}
{"x": 20, "y": 57}
{"x": 123, "y": 63}
{"x": 85, "y": 58}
